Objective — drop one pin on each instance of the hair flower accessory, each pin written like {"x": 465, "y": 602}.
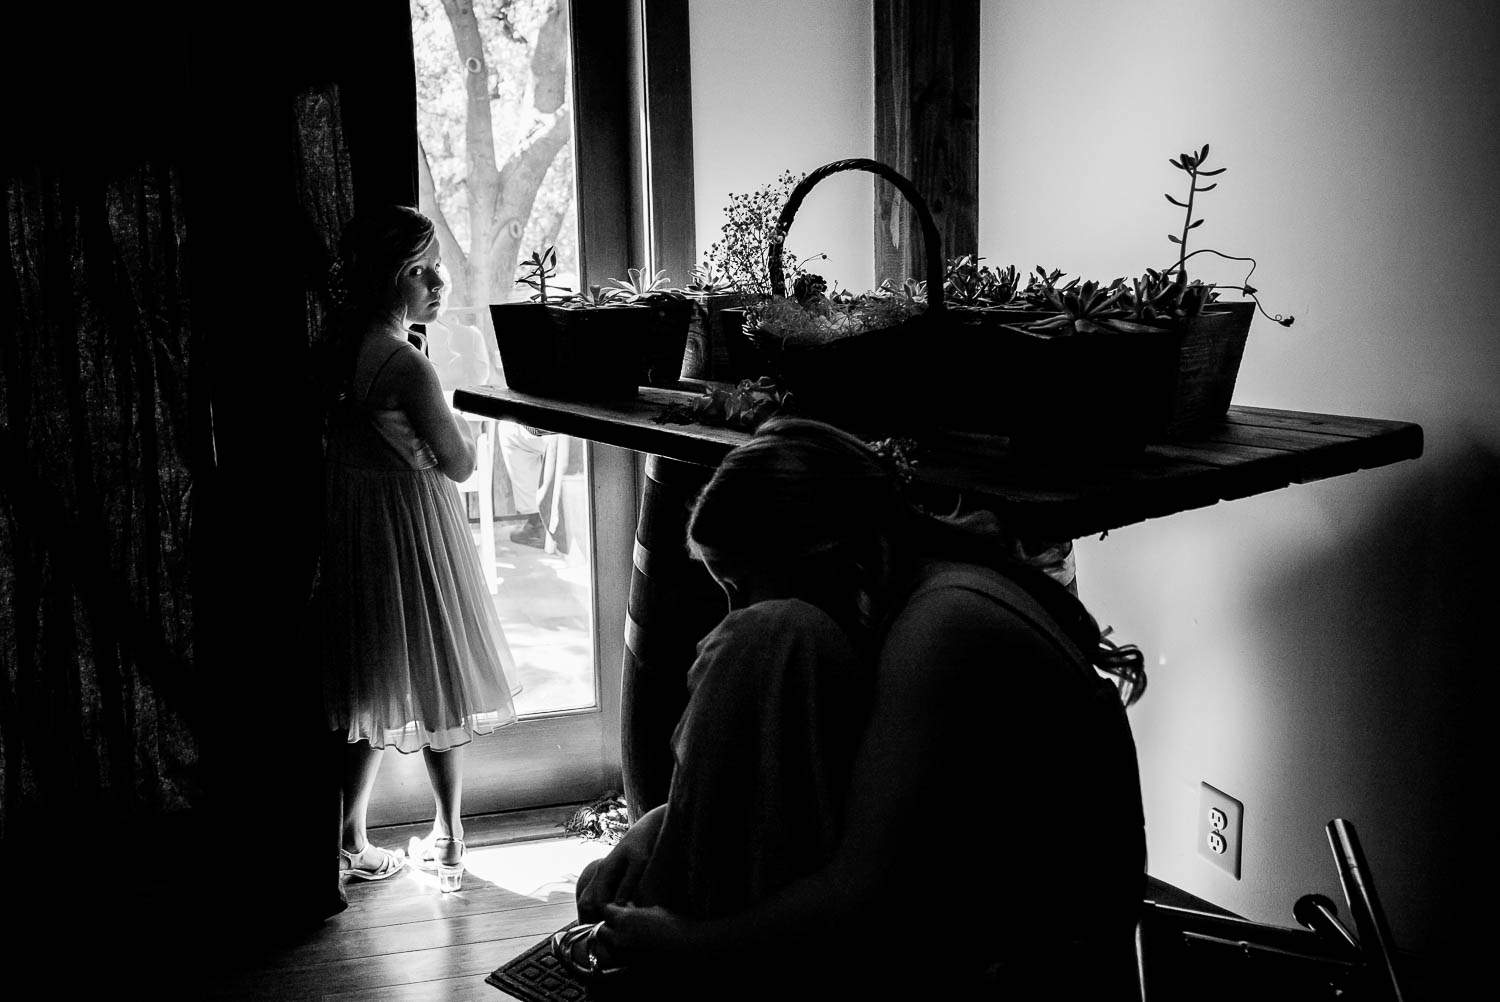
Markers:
{"x": 896, "y": 455}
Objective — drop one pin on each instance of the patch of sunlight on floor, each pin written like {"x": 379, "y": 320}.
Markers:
{"x": 543, "y": 869}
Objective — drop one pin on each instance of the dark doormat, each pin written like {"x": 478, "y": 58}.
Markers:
{"x": 539, "y": 976}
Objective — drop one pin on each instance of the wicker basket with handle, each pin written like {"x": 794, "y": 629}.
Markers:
{"x": 885, "y": 378}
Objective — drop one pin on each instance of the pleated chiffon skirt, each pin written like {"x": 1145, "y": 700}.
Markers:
{"x": 414, "y": 655}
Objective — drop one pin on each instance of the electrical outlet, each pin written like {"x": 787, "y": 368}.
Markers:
{"x": 1221, "y": 822}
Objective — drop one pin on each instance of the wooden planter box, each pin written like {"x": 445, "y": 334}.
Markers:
{"x": 666, "y": 342}
{"x": 1209, "y": 353}
{"x": 709, "y": 329}
{"x": 1007, "y": 380}
{"x": 588, "y": 353}
{"x": 1082, "y": 399}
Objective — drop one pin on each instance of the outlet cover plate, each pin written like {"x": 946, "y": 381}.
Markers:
{"x": 1233, "y": 812}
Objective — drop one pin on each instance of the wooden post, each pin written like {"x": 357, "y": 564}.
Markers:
{"x": 926, "y": 127}
{"x": 663, "y": 77}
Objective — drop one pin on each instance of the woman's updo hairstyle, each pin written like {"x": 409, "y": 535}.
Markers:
{"x": 800, "y": 490}
{"x": 797, "y": 489}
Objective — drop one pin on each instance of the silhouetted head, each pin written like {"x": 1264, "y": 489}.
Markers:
{"x": 803, "y": 510}
{"x": 375, "y": 249}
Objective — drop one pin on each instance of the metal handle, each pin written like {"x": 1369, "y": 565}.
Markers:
{"x": 1359, "y": 889}
{"x": 1315, "y": 912}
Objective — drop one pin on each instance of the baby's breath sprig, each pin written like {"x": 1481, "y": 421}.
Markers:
{"x": 741, "y": 256}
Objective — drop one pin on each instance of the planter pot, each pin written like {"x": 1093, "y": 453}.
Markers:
{"x": 1082, "y": 399}
{"x": 591, "y": 353}
{"x": 736, "y": 356}
{"x": 1208, "y": 363}
{"x": 666, "y": 341}
{"x": 993, "y": 317}
{"x": 707, "y": 354}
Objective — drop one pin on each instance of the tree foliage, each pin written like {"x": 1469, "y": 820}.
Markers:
{"x": 495, "y": 131}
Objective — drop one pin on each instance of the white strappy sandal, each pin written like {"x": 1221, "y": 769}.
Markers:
{"x": 391, "y": 862}
{"x": 444, "y": 856}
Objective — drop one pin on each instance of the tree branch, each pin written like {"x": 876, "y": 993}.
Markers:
{"x": 525, "y": 168}
{"x": 549, "y": 62}
{"x": 453, "y": 254}
{"x": 479, "y": 132}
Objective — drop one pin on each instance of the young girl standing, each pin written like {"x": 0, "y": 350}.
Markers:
{"x": 415, "y": 656}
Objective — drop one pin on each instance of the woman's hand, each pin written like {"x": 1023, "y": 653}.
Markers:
{"x": 635, "y": 934}
{"x": 608, "y": 881}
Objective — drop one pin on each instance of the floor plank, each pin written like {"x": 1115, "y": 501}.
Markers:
{"x": 445, "y": 990}
{"x": 432, "y": 933}
{"x": 402, "y": 939}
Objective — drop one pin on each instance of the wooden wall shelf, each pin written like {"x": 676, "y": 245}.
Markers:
{"x": 1252, "y": 451}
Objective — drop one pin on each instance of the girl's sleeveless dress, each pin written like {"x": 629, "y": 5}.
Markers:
{"x": 413, "y": 650}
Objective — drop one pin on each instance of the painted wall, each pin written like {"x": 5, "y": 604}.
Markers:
{"x": 1316, "y": 650}
{"x": 785, "y": 85}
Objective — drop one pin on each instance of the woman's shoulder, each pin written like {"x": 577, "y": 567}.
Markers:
{"x": 962, "y": 612}
{"x": 940, "y": 581}
{"x": 964, "y": 590}
{"x": 772, "y": 620}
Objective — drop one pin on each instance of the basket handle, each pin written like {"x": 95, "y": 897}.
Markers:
{"x": 930, "y": 238}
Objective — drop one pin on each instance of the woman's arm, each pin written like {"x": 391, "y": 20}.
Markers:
{"x": 613, "y": 879}
{"x": 421, "y": 396}
{"x": 922, "y": 711}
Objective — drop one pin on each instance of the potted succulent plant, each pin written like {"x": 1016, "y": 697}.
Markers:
{"x": 1085, "y": 383}
{"x": 714, "y": 326}
{"x": 587, "y": 345}
{"x": 979, "y": 294}
{"x": 1213, "y": 332}
{"x": 667, "y": 335}
{"x": 1159, "y": 355}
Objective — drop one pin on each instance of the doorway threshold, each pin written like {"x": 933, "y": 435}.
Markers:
{"x": 503, "y": 828}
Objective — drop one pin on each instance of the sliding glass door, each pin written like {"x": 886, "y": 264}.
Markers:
{"x": 553, "y": 517}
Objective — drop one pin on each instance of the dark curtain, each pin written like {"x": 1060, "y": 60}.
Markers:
{"x": 318, "y": 120}
{"x": 99, "y": 451}
{"x": 172, "y": 187}
{"x": 101, "y": 446}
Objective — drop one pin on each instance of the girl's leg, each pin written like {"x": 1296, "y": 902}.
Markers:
{"x": 361, "y": 763}
{"x": 445, "y": 772}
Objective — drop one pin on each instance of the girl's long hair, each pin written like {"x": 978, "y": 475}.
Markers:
{"x": 803, "y": 491}
{"x": 374, "y": 248}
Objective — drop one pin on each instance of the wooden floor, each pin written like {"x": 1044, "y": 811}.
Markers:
{"x": 126, "y": 922}
{"x": 403, "y": 940}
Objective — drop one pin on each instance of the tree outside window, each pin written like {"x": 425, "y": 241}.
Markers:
{"x": 494, "y": 124}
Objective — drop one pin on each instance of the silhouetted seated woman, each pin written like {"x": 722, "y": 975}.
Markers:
{"x": 899, "y": 767}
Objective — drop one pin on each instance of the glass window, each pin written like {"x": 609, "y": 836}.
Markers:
{"x": 496, "y": 173}
{"x": 494, "y": 126}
